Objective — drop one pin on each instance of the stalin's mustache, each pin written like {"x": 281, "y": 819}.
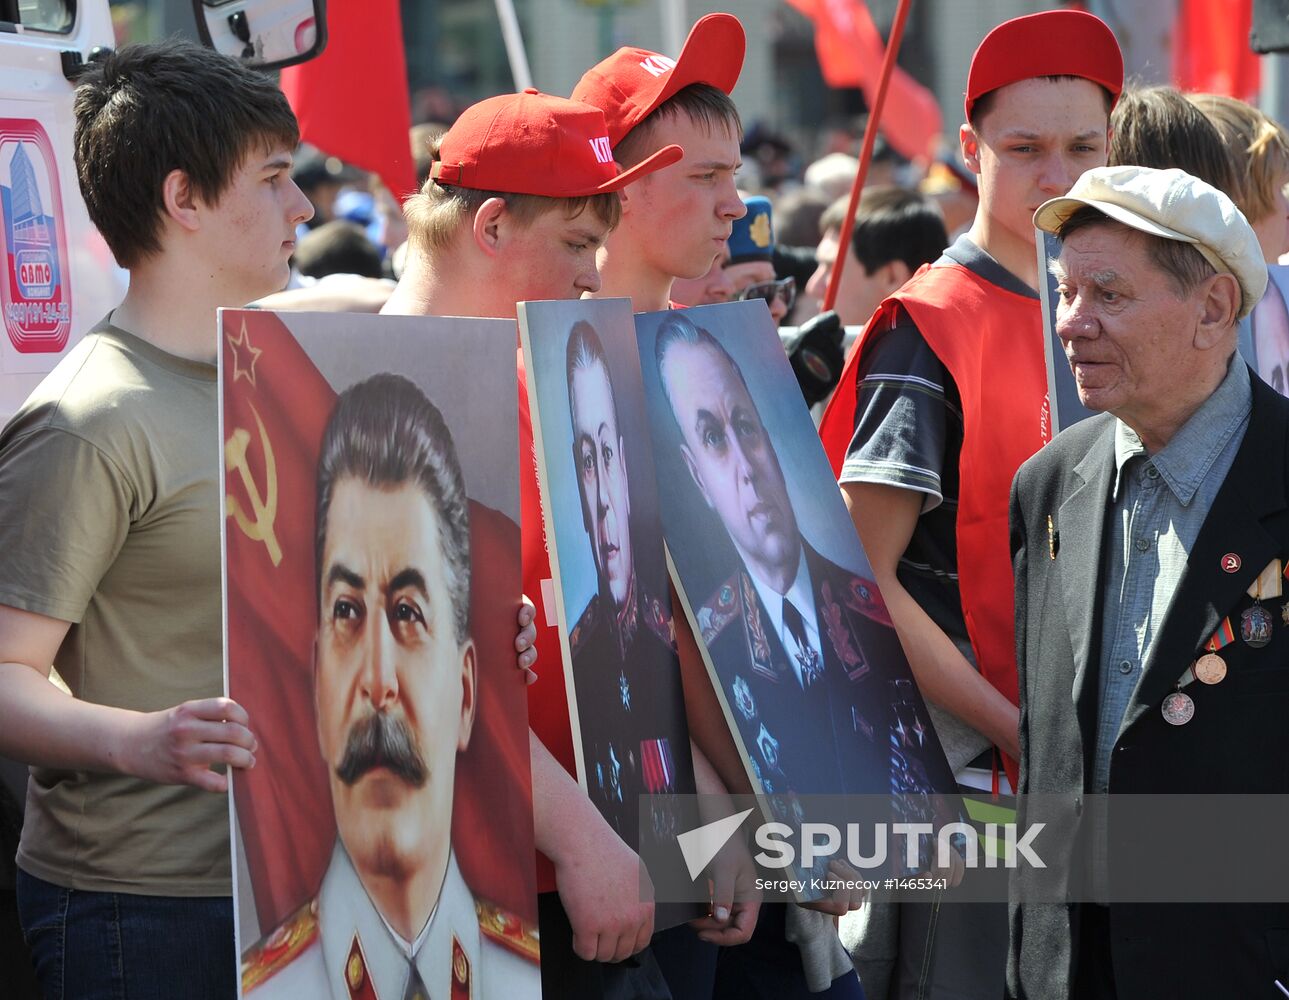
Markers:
{"x": 380, "y": 740}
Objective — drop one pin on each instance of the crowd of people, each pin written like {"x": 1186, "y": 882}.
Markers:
{"x": 1076, "y": 669}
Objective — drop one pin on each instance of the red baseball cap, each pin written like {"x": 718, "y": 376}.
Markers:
{"x": 630, "y": 84}
{"x": 1050, "y": 43}
{"x": 533, "y": 143}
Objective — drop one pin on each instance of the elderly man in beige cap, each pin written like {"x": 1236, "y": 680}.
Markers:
{"x": 1145, "y": 542}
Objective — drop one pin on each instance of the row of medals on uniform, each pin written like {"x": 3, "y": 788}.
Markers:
{"x": 1256, "y": 624}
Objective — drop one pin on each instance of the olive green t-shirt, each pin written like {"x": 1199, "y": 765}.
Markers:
{"x": 109, "y": 520}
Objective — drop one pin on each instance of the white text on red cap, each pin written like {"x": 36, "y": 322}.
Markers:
{"x": 601, "y": 148}
{"x": 658, "y": 65}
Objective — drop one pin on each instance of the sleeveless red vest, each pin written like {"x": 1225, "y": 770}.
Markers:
{"x": 991, "y": 341}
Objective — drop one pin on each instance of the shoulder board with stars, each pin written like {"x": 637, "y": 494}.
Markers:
{"x": 281, "y": 946}
{"x": 585, "y": 625}
{"x": 721, "y": 609}
{"x": 508, "y": 930}
{"x": 658, "y": 620}
{"x": 862, "y": 596}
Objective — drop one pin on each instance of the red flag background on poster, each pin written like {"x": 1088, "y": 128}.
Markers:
{"x": 850, "y": 55}
{"x": 1211, "y": 51}
{"x": 276, "y": 407}
{"x": 352, "y": 100}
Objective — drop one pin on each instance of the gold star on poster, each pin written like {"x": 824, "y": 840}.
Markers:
{"x": 244, "y": 355}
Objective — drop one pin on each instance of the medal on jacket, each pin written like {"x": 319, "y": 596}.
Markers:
{"x": 1178, "y": 709}
{"x": 1211, "y": 668}
{"x": 1256, "y": 622}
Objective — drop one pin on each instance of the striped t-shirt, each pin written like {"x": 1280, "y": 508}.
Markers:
{"x": 908, "y": 433}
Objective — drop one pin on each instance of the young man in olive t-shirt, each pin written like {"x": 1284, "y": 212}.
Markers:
{"x": 109, "y": 524}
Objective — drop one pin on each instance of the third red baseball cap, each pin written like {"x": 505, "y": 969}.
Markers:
{"x": 630, "y": 84}
{"x": 533, "y": 143}
{"x": 1050, "y": 43}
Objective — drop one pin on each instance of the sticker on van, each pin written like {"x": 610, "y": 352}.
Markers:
{"x": 35, "y": 293}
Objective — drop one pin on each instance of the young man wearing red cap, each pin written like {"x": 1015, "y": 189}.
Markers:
{"x": 521, "y": 195}
{"x": 941, "y": 401}
{"x": 674, "y": 225}
{"x": 675, "y": 222}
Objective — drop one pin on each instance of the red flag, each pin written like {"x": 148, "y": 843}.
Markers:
{"x": 352, "y": 100}
{"x": 850, "y": 55}
{"x": 276, "y": 407}
{"x": 1211, "y": 52}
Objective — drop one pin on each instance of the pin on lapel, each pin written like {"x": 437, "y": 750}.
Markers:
{"x": 1231, "y": 563}
{"x": 1053, "y": 538}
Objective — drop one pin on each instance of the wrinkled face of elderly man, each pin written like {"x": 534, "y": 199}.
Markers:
{"x": 1148, "y": 325}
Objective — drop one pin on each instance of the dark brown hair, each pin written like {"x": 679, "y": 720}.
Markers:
{"x": 891, "y": 223}
{"x": 1158, "y": 127}
{"x": 704, "y": 104}
{"x": 386, "y": 433}
{"x": 172, "y": 105}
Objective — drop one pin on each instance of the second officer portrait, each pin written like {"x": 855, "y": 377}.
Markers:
{"x": 622, "y": 642}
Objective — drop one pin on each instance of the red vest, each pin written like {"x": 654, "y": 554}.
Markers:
{"x": 991, "y": 341}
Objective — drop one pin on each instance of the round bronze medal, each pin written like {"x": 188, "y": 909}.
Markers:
{"x": 1255, "y": 626}
{"x": 1178, "y": 709}
{"x": 1210, "y": 668}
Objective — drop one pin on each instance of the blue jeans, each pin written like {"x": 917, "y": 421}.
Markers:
{"x": 120, "y": 946}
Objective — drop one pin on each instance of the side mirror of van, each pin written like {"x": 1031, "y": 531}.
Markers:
{"x": 266, "y": 34}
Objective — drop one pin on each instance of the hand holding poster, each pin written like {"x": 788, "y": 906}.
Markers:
{"x": 595, "y": 463}
{"x": 372, "y": 581}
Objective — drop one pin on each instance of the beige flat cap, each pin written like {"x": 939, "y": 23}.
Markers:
{"x": 1172, "y": 204}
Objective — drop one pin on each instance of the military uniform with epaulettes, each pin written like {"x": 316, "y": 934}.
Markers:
{"x": 339, "y": 946}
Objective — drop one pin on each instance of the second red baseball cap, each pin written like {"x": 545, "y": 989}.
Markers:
{"x": 630, "y": 84}
{"x": 534, "y": 143}
{"x": 1049, "y": 43}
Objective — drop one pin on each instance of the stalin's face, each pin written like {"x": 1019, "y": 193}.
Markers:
{"x": 602, "y": 477}
{"x": 395, "y": 690}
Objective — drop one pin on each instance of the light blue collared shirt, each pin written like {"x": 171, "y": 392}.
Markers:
{"x": 1160, "y": 503}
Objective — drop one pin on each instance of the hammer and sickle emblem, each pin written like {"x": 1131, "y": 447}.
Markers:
{"x": 259, "y": 528}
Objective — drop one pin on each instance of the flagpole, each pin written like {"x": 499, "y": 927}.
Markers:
{"x": 866, "y": 151}
{"x": 514, "y": 39}
{"x": 673, "y": 25}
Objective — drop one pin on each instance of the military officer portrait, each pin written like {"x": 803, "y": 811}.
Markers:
{"x": 396, "y": 694}
{"x": 625, "y": 667}
{"x": 810, "y": 668}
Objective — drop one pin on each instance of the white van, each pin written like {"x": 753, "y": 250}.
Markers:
{"x": 57, "y": 277}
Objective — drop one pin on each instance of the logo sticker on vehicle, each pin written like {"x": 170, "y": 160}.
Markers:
{"x": 35, "y": 293}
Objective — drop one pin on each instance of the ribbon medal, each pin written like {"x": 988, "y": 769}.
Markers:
{"x": 1178, "y": 709}
{"x": 1256, "y": 622}
{"x": 1211, "y": 668}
